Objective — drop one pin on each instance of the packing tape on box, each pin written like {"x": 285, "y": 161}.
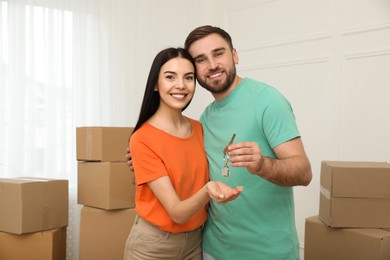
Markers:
{"x": 32, "y": 179}
{"x": 325, "y": 192}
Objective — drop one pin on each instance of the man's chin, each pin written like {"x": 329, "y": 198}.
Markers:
{"x": 214, "y": 90}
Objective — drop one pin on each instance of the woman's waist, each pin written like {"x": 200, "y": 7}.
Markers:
{"x": 171, "y": 227}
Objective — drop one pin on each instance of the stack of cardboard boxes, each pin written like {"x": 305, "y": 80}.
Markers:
{"x": 354, "y": 213}
{"x": 106, "y": 189}
{"x": 33, "y": 218}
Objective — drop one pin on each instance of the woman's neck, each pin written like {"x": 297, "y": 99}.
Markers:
{"x": 173, "y": 123}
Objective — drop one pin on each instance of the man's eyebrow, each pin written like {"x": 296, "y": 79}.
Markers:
{"x": 213, "y": 51}
{"x": 219, "y": 49}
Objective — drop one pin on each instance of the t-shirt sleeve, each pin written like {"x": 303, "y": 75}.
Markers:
{"x": 148, "y": 166}
{"x": 279, "y": 122}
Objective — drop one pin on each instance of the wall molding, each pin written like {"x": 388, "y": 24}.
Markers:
{"x": 294, "y": 40}
{"x": 366, "y": 28}
{"x": 242, "y": 6}
{"x": 271, "y": 44}
{"x": 287, "y": 63}
{"x": 366, "y": 54}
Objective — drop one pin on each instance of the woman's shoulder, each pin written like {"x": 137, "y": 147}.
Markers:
{"x": 143, "y": 132}
{"x": 194, "y": 122}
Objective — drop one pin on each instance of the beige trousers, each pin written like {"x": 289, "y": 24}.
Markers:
{"x": 148, "y": 242}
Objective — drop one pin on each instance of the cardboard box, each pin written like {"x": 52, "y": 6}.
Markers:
{"x": 45, "y": 245}
{"x": 355, "y": 194}
{"x": 102, "y": 143}
{"x": 33, "y": 204}
{"x": 103, "y": 233}
{"x": 105, "y": 185}
{"x": 325, "y": 243}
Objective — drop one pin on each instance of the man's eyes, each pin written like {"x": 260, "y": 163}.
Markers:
{"x": 215, "y": 54}
{"x": 200, "y": 60}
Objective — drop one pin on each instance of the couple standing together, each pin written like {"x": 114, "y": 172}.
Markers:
{"x": 186, "y": 208}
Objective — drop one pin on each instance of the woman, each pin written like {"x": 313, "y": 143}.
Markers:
{"x": 170, "y": 165}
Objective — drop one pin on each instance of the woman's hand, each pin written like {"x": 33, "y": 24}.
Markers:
{"x": 222, "y": 193}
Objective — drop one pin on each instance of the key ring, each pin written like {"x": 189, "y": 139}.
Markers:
{"x": 225, "y": 168}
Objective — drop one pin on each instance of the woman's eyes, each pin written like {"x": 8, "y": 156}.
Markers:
{"x": 172, "y": 77}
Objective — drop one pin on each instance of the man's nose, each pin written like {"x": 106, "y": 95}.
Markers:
{"x": 212, "y": 64}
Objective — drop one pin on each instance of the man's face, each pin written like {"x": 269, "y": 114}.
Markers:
{"x": 215, "y": 63}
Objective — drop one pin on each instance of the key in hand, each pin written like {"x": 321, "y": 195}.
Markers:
{"x": 225, "y": 168}
{"x": 225, "y": 150}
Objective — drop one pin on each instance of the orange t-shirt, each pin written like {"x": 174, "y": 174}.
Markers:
{"x": 155, "y": 154}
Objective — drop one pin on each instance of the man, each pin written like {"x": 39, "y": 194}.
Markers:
{"x": 267, "y": 156}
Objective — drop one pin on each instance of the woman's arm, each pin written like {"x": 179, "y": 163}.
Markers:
{"x": 182, "y": 210}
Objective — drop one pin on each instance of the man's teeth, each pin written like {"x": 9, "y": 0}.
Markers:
{"x": 216, "y": 75}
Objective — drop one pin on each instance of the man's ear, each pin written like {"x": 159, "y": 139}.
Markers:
{"x": 235, "y": 56}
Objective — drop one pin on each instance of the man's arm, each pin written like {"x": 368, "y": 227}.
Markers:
{"x": 291, "y": 168}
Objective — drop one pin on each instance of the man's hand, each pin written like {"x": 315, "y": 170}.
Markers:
{"x": 246, "y": 154}
{"x": 290, "y": 168}
{"x": 129, "y": 159}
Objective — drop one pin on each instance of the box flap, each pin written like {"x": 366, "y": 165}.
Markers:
{"x": 356, "y": 179}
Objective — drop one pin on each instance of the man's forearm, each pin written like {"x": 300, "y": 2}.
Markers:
{"x": 292, "y": 171}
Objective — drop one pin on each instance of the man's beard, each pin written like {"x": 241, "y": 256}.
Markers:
{"x": 220, "y": 87}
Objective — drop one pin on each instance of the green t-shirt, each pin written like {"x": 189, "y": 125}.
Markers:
{"x": 260, "y": 223}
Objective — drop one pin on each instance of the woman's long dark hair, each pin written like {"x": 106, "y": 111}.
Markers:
{"x": 151, "y": 99}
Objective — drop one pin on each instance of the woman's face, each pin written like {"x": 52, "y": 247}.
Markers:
{"x": 176, "y": 83}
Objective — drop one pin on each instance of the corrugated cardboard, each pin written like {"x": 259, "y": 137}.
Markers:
{"x": 45, "y": 245}
{"x": 33, "y": 204}
{"x": 326, "y": 243}
{"x": 102, "y": 143}
{"x": 103, "y": 233}
{"x": 105, "y": 185}
{"x": 355, "y": 194}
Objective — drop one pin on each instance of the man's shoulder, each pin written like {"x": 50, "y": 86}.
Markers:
{"x": 257, "y": 87}
{"x": 254, "y": 82}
